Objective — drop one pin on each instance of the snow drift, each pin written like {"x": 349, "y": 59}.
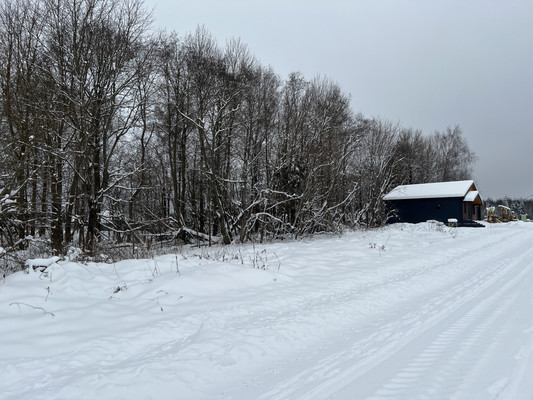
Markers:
{"x": 405, "y": 312}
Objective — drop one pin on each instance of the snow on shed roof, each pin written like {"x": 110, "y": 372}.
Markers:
{"x": 430, "y": 190}
{"x": 471, "y": 196}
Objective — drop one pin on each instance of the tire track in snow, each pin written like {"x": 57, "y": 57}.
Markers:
{"x": 439, "y": 359}
{"x": 461, "y": 318}
{"x": 289, "y": 303}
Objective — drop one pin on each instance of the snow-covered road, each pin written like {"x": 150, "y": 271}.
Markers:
{"x": 470, "y": 337}
{"x": 405, "y": 312}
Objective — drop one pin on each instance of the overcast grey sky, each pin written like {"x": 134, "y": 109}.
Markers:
{"x": 427, "y": 64}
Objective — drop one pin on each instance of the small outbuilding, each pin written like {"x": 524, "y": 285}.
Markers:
{"x": 441, "y": 201}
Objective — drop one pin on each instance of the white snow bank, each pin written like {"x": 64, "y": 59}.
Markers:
{"x": 35, "y": 263}
{"x": 406, "y": 312}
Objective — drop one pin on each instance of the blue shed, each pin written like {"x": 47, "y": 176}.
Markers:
{"x": 439, "y": 201}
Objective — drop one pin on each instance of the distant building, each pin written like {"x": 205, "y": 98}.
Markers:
{"x": 439, "y": 201}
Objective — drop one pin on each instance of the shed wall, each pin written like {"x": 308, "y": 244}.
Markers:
{"x": 420, "y": 210}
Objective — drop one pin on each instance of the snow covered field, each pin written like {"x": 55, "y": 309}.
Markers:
{"x": 404, "y": 312}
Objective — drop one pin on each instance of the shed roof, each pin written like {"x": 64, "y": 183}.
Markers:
{"x": 430, "y": 190}
{"x": 471, "y": 196}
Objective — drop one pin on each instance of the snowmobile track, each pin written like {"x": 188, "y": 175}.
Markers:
{"x": 424, "y": 349}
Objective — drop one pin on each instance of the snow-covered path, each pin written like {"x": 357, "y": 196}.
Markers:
{"x": 470, "y": 339}
{"x": 406, "y": 312}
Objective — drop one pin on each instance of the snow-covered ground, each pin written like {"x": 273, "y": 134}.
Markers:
{"x": 405, "y": 312}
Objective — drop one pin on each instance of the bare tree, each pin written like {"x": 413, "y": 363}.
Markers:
{"x": 93, "y": 46}
{"x": 454, "y": 159}
{"x": 23, "y": 116}
{"x": 375, "y": 164}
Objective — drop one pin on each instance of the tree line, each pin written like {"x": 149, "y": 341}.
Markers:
{"x": 111, "y": 133}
